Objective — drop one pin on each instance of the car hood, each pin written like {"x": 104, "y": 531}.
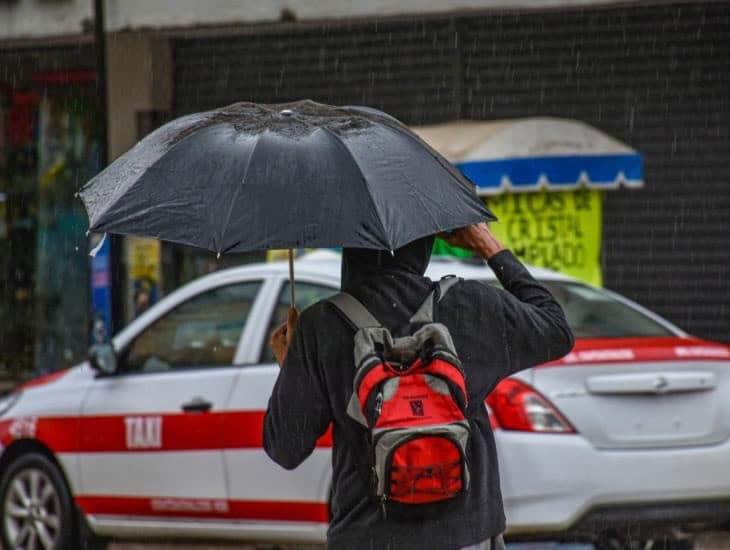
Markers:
{"x": 58, "y": 393}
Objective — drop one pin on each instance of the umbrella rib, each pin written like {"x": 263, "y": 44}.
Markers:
{"x": 123, "y": 160}
{"x": 418, "y": 196}
{"x": 448, "y": 167}
{"x": 414, "y": 189}
{"x": 237, "y": 192}
{"x": 342, "y": 145}
{"x": 453, "y": 172}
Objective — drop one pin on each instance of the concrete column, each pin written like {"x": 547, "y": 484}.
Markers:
{"x": 140, "y": 78}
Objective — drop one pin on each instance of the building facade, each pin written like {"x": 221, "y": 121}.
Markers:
{"x": 652, "y": 74}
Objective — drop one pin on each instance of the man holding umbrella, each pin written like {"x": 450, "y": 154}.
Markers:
{"x": 253, "y": 177}
{"x": 495, "y": 332}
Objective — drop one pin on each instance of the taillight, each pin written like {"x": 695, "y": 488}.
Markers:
{"x": 515, "y": 405}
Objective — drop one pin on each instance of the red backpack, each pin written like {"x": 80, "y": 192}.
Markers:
{"x": 410, "y": 392}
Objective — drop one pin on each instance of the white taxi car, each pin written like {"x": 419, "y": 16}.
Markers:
{"x": 166, "y": 440}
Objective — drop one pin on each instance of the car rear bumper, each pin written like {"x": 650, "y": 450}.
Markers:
{"x": 641, "y": 521}
{"x": 560, "y": 484}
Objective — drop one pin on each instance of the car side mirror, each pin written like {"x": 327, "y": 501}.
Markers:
{"x": 103, "y": 358}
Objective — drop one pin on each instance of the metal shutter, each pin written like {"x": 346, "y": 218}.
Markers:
{"x": 406, "y": 68}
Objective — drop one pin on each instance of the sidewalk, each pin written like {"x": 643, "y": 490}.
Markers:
{"x": 709, "y": 541}
{"x": 207, "y": 546}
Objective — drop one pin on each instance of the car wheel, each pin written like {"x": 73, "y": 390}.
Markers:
{"x": 671, "y": 544}
{"x": 613, "y": 542}
{"x": 608, "y": 542}
{"x": 86, "y": 537}
{"x": 35, "y": 506}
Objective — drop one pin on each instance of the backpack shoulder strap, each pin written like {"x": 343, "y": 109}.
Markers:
{"x": 446, "y": 283}
{"x": 425, "y": 313}
{"x": 356, "y": 313}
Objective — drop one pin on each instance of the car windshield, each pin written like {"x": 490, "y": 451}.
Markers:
{"x": 594, "y": 313}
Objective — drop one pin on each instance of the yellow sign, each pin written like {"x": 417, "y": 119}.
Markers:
{"x": 559, "y": 230}
{"x": 282, "y": 254}
{"x": 277, "y": 255}
{"x": 144, "y": 258}
{"x": 143, "y": 274}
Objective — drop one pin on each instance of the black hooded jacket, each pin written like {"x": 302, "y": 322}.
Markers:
{"x": 496, "y": 333}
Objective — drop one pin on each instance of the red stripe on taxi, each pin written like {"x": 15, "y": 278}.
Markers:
{"x": 315, "y": 512}
{"x": 642, "y": 350}
{"x": 177, "y": 432}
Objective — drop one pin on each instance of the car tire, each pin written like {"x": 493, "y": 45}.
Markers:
{"x": 36, "y": 509}
{"x": 86, "y": 537}
{"x": 672, "y": 544}
{"x": 612, "y": 542}
{"x": 608, "y": 542}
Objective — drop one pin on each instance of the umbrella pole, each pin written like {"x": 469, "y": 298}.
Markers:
{"x": 292, "y": 298}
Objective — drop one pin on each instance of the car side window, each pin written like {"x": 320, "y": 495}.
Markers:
{"x": 201, "y": 332}
{"x": 306, "y": 295}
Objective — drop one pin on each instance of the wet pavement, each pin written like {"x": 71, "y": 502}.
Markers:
{"x": 710, "y": 541}
{"x": 202, "y": 546}
{"x": 209, "y": 546}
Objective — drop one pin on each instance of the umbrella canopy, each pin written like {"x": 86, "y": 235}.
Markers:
{"x": 252, "y": 177}
{"x": 531, "y": 154}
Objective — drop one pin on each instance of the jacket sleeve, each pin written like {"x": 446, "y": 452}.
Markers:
{"x": 536, "y": 330}
{"x": 299, "y": 409}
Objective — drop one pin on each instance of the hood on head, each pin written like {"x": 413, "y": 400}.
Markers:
{"x": 360, "y": 264}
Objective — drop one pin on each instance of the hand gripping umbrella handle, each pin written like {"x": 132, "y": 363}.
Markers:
{"x": 292, "y": 298}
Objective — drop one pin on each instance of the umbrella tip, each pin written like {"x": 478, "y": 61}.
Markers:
{"x": 95, "y": 250}
{"x": 218, "y": 256}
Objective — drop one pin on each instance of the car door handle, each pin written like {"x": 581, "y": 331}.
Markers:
{"x": 197, "y": 404}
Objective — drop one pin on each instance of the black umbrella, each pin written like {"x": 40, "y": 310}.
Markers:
{"x": 254, "y": 177}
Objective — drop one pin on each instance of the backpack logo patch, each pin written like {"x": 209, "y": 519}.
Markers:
{"x": 417, "y": 407}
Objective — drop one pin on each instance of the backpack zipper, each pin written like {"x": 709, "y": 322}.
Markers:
{"x": 379, "y": 403}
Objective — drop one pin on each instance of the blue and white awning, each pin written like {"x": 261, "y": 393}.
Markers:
{"x": 533, "y": 154}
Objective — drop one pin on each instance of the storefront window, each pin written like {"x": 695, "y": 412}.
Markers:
{"x": 49, "y": 146}
{"x": 68, "y": 156}
{"x": 18, "y": 179}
